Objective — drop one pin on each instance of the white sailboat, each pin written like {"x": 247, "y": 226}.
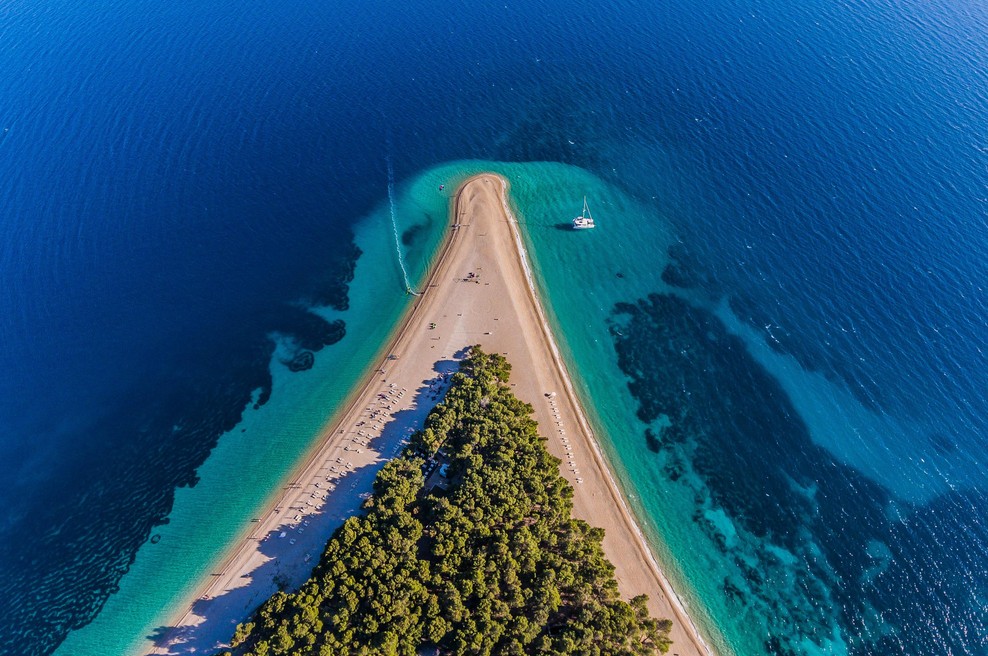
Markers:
{"x": 585, "y": 220}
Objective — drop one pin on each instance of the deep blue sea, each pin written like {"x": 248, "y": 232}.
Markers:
{"x": 795, "y": 335}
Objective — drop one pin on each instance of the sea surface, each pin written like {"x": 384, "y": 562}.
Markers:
{"x": 210, "y": 214}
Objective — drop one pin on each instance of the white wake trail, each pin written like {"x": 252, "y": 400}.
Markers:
{"x": 394, "y": 227}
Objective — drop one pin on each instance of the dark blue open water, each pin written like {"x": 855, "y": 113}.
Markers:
{"x": 179, "y": 180}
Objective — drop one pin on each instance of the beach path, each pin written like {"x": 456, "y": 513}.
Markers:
{"x": 479, "y": 291}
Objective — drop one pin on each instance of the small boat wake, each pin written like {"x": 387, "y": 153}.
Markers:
{"x": 394, "y": 227}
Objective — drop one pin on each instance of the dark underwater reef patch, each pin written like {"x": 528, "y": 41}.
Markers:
{"x": 415, "y": 232}
{"x": 330, "y": 287}
{"x": 129, "y": 463}
{"x": 302, "y": 361}
{"x": 685, "y": 271}
{"x": 555, "y": 126}
{"x": 814, "y": 543}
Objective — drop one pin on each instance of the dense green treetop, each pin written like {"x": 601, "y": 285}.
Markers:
{"x": 492, "y": 564}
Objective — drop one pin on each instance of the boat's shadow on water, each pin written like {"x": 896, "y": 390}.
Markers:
{"x": 287, "y": 567}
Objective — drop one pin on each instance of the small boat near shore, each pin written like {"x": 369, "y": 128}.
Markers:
{"x": 585, "y": 220}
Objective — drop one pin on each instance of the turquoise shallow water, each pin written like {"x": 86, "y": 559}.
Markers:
{"x": 581, "y": 275}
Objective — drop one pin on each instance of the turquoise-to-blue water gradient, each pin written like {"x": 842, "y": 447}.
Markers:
{"x": 779, "y": 324}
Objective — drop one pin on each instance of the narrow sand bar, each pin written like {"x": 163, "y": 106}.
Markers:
{"x": 479, "y": 292}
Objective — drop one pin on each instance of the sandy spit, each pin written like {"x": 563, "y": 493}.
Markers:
{"x": 479, "y": 291}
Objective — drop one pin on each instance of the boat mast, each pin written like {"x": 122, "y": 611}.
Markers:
{"x": 586, "y": 210}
